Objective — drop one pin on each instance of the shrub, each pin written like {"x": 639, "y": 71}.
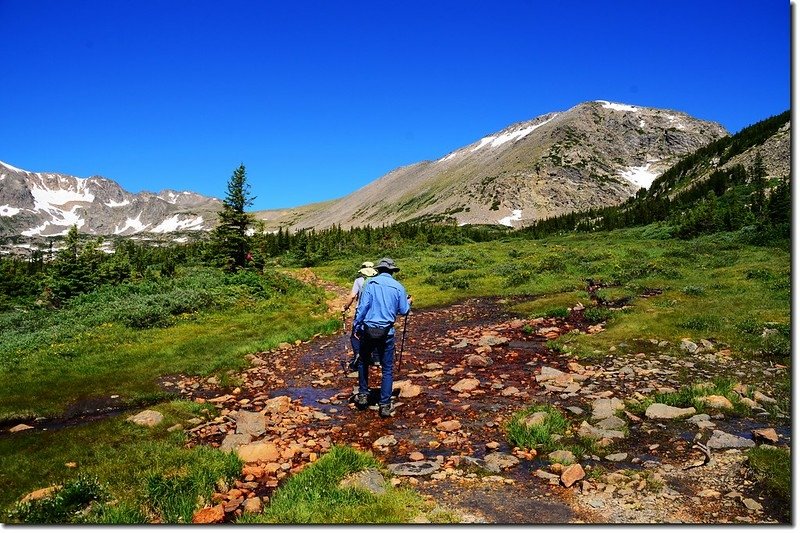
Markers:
{"x": 597, "y": 314}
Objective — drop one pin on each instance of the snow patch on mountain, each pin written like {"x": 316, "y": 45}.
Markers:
{"x": 8, "y": 211}
{"x": 131, "y": 223}
{"x": 511, "y": 135}
{"x": 641, "y": 176}
{"x": 113, "y": 203}
{"x": 515, "y": 215}
{"x": 618, "y": 107}
{"x": 35, "y": 232}
{"x": 174, "y": 223}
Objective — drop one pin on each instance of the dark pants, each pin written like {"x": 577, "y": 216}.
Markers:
{"x": 385, "y": 351}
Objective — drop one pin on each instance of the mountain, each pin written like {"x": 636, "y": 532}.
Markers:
{"x": 36, "y": 204}
{"x": 593, "y": 155}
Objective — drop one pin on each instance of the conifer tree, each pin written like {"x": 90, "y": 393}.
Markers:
{"x": 230, "y": 242}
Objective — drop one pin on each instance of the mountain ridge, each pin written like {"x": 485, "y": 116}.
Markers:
{"x": 595, "y": 153}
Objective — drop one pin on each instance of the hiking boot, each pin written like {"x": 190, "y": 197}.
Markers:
{"x": 385, "y": 410}
{"x": 362, "y": 401}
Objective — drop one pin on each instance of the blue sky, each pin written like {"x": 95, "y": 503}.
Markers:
{"x": 318, "y": 98}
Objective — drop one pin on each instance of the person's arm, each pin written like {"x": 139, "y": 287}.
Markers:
{"x": 363, "y": 304}
{"x": 353, "y": 294}
{"x": 404, "y": 305}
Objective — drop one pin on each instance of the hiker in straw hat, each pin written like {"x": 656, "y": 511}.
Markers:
{"x": 367, "y": 270}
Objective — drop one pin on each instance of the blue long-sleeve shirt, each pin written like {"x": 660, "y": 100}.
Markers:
{"x": 382, "y": 299}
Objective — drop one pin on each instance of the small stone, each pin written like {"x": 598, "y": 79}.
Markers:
{"x": 616, "y": 457}
{"x": 763, "y": 398}
{"x": 20, "y": 427}
{"x": 385, "y": 441}
{"x": 279, "y": 404}
{"x": 209, "y": 515}
{"x": 232, "y": 441}
{"x": 572, "y": 474}
{"x": 565, "y": 457}
{"x": 416, "y": 456}
{"x": 534, "y": 419}
{"x": 716, "y": 401}
{"x": 768, "y": 434}
{"x": 262, "y": 451}
{"x": 448, "y": 425}
{"x": 370, "y": 480}
{"x": 40, "y": 494}
{"x": 466, "y": 384}
{"x": 478, "y": 361}
{"x": 492, "y": 445}
{"x": 252, "y": 505}
{"x": 147, "y": 418}
{"x": 606, "y": 407}
{"x": 612, "y": 422}
{"x": 688, "y": 346}
{"x": 509, "y": 391}
{"x": 414, "y": 468}
{"x": 660, "y": 411}
{"x": 709, "y": 493}
{"x": 250, "y": 423}
{"x": 720, "y": 439}
{"x": 752, "y": 504}
{"x": 176, "y": 427}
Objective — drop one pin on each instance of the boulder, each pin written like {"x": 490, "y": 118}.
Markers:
{"x": 688, "y": 346}
{"x": 720, "y": 439}
{"x": 20, "y": 427}
{"x": 40, "y": 494}
{"x": 147, "y": 418}
{"x": 572, "y": 474}
{"x": 660, "y": 411}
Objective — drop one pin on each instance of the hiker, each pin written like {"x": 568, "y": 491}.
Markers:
{"x": 367, "y": 270}
{"x": 382, "y": 299}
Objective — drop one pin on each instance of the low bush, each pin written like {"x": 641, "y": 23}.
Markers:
{"x": 539, "y": 436}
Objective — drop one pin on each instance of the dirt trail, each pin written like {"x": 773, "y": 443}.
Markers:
{"x": 478, "y": 340}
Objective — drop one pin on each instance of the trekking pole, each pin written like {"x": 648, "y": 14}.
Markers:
{"x": 402, "y": 343}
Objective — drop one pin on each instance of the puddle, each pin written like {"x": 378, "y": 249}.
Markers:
{"x": 308, "y": 396}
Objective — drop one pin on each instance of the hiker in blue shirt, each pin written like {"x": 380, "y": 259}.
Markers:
{"x": 382, "y": 299}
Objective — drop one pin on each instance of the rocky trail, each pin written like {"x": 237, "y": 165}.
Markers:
{"x": 466, "y": 368}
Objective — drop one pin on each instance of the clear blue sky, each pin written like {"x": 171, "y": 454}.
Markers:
{"x": 318, "y": 98}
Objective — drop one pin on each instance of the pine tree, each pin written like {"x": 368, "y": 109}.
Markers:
{"x": 230, "y": 242}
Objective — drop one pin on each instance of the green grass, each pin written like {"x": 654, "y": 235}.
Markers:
{"x": 313, "y": 496}
{"x": 148, "y": 472}
{"x": 114, "y": 359}
{"x": 773, "y": 470}
{"x": 689, "y": 396}
{"x": 538, "y": 436}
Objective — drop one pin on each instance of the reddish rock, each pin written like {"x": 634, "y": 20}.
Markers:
{"x": 572, "y": 474}
{"x": 279, "y": 404}
{"x": 449, "y": 425}
{"x": 416, "y": 456}
{"x": 466, "y": 384}
{"x": 252, "y": 505}
{"x": 768, "y": 434}
{"x": 41, "y": 493}
{"x": 209, "y": 515}
{"x": 258, "y": 451}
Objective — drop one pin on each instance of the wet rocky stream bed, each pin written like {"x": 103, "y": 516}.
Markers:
{"x": 465, "y": 370}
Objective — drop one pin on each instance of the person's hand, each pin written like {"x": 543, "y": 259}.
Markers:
{"x": 410, "y": 299}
